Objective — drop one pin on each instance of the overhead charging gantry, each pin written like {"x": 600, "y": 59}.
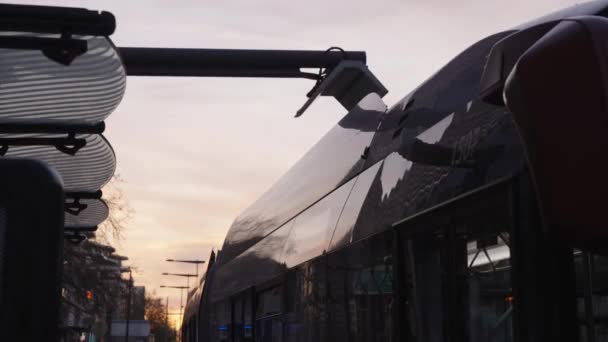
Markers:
{"x": 343, "y": 75}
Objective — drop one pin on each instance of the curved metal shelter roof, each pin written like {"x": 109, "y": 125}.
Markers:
{"x": 38, "y": 90}
{"x": 85, "y": 213}
{"x": 56, "y": 89}
{"x": 86, "y": 171}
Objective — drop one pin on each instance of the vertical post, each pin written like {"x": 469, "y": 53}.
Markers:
{"x": 588, "y": 295}
{"x": 108, "y": 323}
{"x": 543, "y": 272}
{"x": 181, "y": 310}
{"x": 167, "y": 311}
{"x": 167, "y": 318}
{"x": 397, "y": 270}
{"x": 129, "y": 305}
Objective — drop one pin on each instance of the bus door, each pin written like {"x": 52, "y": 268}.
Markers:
{"x": 455, "y": 276}
{"x": 591, "y": 295}
{"x": 268, "y": 313}
{"x": 242, "y": 316}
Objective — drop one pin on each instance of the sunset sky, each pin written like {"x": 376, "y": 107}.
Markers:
{"x": 194, "y": 152}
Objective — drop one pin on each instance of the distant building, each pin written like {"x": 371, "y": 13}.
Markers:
{"x": 138, "y": 302}
{"x": 94, "y": 293}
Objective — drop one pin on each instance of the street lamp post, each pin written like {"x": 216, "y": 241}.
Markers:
{"x": 130, "y": 285}
{"x": 196, "y": 262}
{"x": 188, "y": 276}
{"x": 181, "y": 299}
{"x": 167, "y": 311}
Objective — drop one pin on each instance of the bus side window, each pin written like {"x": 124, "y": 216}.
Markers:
{"x": 221, "y": 321}
{"x": 306, "y": 309}
{"x": 237, "y": 319}
{"x": 424, "y": 286}
{"x": 456, "y": 285}
{"x": 248, "y": 318}
{"x": 242, "y": 311}
{"x": 482, "y": 261}
{"x": 268, "y": 320}
{"x": 361, "y": 300}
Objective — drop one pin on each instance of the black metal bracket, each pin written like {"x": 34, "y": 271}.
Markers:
{"x": 53, "y": 20}
{"x": 65, "y": 50}
{"x": 68, "y": 145}
{"x": 80, "y": 229}
{"x": 42, "y": 43}
{"x": 75, "y": 207}
{"x": 84, "y": 195}
{"x": 75, "y": 234}
{"x": 75, "y": 238}
{"x": 52, "y": 128}
{"x": 71, "y": 145}
{"x": 61, "y": 50}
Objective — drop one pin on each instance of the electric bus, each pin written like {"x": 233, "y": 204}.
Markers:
{"x": 471, "y": 210}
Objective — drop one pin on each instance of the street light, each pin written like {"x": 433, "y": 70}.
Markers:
{"x": 181, "y": 298}
{"x": 130, "y": 285}
{"x": 188, "y": 276}
{"x": 197, "y": 262}
{"x": 167, "y": 311}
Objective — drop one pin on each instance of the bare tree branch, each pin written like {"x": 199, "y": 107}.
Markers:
{"x": 120, "y": 212}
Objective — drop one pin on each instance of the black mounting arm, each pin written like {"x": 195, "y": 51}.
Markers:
{"x": 76, "y": 235}
{"x": 52, "y": 128}
{"x": 62, "y": 21}
{"x": 68, "y": 145}
{"x": 84, "y": 195}
{"x": 231, "y": 62}
{"x": 342, "y": 74}
{"x": 75, "y": 207}
{"x": 72, "y": 201}
{"x": 11, "y": 134}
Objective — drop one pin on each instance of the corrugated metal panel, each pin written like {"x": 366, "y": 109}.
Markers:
{"x": 35, "y": 89}
{"x": 95, "y": 213}
{"x": 86, "y": 171}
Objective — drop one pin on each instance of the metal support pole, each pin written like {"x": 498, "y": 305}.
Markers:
{"x": 129, "y": 306}
{"x": 182, "y": 275}
{"x": 587, "y": 261}
{"x": 181, "y": 301}
{"x": 181, "y": 312}
{"x": 181, "y": 306}
{"x": 167, "y": 318}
